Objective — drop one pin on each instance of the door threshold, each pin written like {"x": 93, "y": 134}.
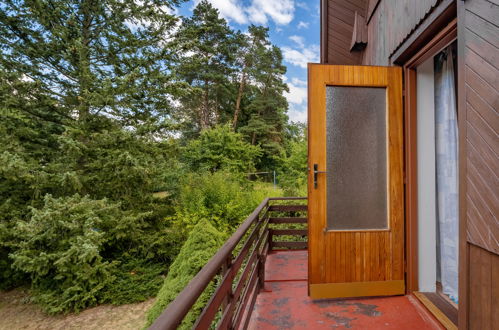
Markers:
{"x": 441, "y": 309}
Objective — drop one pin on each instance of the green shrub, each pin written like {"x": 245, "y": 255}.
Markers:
{"x": 134, "y": 281}
{"x": 220, "y": 148}
{"x": 203, "y": 242}
{"x": 293, "y": 172}
{"x": 61, "y": 247}
{"x": 223, "y": 198}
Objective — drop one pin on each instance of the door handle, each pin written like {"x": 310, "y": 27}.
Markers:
{"x": 316, "y": 171}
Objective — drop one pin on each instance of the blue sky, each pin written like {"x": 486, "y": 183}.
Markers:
{"x": 294, "y": 27}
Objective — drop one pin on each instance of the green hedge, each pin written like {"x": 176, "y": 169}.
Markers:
{"x": 203, "y": 242}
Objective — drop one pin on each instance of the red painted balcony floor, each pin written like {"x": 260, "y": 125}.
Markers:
{"x": 284, "y": 303}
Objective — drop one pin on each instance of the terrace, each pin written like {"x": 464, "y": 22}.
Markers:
{"x": 261, "y": 274}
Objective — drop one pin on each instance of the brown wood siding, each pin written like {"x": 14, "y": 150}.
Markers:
{"x": 481, "y": 60}
{"x": 484, "y": 289}
{"x": 479, "y": 126}
{"x": 391, "y": 23}
{"x": 359, "y": 35}
{"x": 371, "y": 7}
{"x": 339, "y": 29}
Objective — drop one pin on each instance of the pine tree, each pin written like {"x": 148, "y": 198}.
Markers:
{"x": 255, "y": 42}
{"x": 206, "y": 62}
{"x": 265, "y": 113}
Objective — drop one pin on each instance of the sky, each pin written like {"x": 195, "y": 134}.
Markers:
{"x": 293, "y": 26}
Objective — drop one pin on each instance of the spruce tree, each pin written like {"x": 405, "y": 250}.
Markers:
{"x": 85, "y": 90}
{"x": 89, "y": 58}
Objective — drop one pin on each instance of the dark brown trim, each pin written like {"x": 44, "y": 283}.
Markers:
{"x": 446, "y": 36}
{"x": 441, "y": 38}
{"x": 324, "y": 32}
{"x": 461, "y": 112}
{"x": 435, "y": 22}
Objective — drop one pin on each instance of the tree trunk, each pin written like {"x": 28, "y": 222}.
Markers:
{"x": 239, "y": 97}
{"x": 253, "y": 137}
{"x": 204, "y": 119}
{"x": 84, "y": 78}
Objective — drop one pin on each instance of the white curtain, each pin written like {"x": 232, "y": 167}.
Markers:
{"x": 446, "y": 149}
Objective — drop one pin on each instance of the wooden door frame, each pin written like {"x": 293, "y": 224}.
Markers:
{"x": 442, "y": 38}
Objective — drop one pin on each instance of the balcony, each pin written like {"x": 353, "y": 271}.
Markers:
{"x": 261, "y": 276}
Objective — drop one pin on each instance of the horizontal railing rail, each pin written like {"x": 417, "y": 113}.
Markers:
{"x": 238, "y": 268}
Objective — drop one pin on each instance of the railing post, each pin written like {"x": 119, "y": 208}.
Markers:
{"x": 262, "y": 256}
{"x": 225, "y": 269}
{"x": 271, "y": 234}
{"x": 261, "y": 270}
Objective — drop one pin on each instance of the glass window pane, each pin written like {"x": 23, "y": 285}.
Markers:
{"x": 356, "y": 158}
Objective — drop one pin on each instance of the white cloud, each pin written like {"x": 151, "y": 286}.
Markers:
{"x": 298, "y": 114}
{"x": 298, "y": 82}
{"x": 300, "y": 57}
{"x": 297, "y": 99}
{"x": 257, "y": 11}
{"x": 280, "y": 11}
{"x": 297, "y": 94}
{"x": 302, "y": 25}
{"x": 317, "y": 12}
{"x": 298, "y": 40}
{"x": 232, "y": 10}
{"x": 302, "y": 5}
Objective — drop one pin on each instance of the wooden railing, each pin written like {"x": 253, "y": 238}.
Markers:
{"x": 238, "y": 267}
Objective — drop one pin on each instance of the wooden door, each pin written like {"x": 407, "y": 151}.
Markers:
{"x": 355, "y": 181}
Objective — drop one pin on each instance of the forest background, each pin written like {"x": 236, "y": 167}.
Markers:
{"x": 123, "y": 127}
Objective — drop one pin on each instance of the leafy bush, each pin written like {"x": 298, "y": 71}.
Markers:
{"x": 293, "y": 172}
{"x": 135, "y": 281}
{"x": 61, "y": 247}
{"x": 203, "y": 242}
{"x": 223, "y": 198}
{"x": 220, "y": 148}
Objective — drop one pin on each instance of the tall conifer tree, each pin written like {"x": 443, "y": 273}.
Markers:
{"x": 265, "y": 111}
{"x": 90, "y": 57}
{"x": 206, "y": 62}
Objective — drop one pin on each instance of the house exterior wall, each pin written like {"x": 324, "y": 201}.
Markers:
{"x": 338, "y": 17}
{"x": 478, "y": 35}
{"x": 397, "y": 28}
{"x": 389, "y": 22}
{"x": 389, "y": 25}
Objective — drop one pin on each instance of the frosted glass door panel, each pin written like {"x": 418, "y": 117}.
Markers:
{"x": 356, "y": 151}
